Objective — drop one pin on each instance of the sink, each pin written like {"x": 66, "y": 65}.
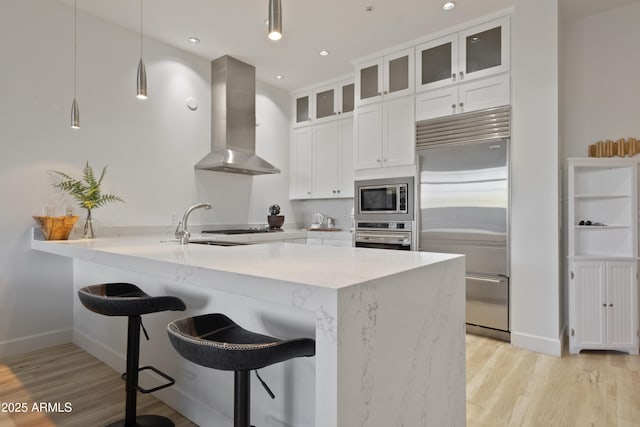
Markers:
{"x": 217, "y": 243}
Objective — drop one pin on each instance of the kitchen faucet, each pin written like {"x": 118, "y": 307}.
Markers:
{"x": 182, "y": 233}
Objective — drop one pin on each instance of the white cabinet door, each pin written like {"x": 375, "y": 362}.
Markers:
{"x": 302, "y": 109}
{"x": 587, "y": 295}
{"x": 325, "y": 158}
{"x": 484, "y": 50}
{"x": 369, "y": 82}
{"x": 368, "y": 136}
{"x": 399, "y": 78}
{"x": 437, "y": 63}
{"x": 345, "y": 159}
{"x": 301, "y": 163}
{"x": 437, "y": 103}
{"x": 622, "y": 298}
{"x": 399, "y": 130}
{"x": 484, "y": 93}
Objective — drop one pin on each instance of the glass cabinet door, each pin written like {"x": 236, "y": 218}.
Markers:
{"x": 302, "y": 109}
{"x": 325, "y": 103}
{"x": 369, "y": 82}
{"x": 398, "y": 73}
{"x": 484, "y": 50}
{"x": 348, "y": 92}
{"x": 437, "y": 63}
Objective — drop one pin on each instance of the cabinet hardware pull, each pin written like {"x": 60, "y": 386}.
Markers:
{"x": 453, "y": 77}
{"x": 385, "y": 92}
{"x": 461, "y": 104}
{"x": 338, "y": 191}
{"x": 334, "y": 191}
{"x": 378, "y": 160}
{"x": 453, "y": 108}
{"x": 610, "y": 305}
{"x": 461, "y": 75}
{"x": 604, "y": 305}
{"x": 379, "y": 94}
{"x": 572, "y": 274}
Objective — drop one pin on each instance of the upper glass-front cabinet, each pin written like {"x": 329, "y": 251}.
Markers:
{"x": 302, "y": 109}
{"x": 475, "y": 53}
{"x": 386, "y": 77}
{"x": 333, "y": 101}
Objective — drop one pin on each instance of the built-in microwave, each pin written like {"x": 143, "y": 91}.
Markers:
{"x": 387, "y": 199}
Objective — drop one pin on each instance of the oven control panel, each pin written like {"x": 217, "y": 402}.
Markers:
{"x": 400, "y": 226}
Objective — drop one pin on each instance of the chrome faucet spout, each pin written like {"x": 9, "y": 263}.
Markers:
{"x": 182, "y": 233}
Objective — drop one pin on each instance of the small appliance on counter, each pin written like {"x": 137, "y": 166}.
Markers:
{"x": 318, "y": 220}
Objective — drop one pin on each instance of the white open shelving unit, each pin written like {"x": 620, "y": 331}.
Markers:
{"x": 603, "y": 254}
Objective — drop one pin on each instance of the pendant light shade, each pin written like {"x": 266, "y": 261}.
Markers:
{"x": 141, "y": 80}
{"x": 75, "y": 115}
{"x": 75, "y": 111}
{"x": 275, "y": 19}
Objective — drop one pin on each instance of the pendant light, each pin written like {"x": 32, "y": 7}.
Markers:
{"x": 142, "y": 73}
{"x": 275, "y": 19}
{"x": 75, "y": 112}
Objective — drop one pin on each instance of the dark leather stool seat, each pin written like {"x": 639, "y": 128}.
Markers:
{"x": 215, "y": 341}
{"x": 126, "y": 299}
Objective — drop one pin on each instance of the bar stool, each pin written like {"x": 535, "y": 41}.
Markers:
{"x": 125, "y": 299}
{"x": 215, "y": 341}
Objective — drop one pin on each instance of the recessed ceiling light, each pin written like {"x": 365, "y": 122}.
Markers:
{"x": 324, "y": 52}
{"x": 279, "y": 76}
{"x": 194, "y": 40}
{"x": 448, "y": 5}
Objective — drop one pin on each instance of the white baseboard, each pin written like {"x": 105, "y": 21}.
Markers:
{"x": 173, "y": 396}
{"x": 536, "y": 343}
{"x": 17, "y": 346}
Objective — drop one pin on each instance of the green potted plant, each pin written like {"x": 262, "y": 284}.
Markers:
{"x": 87, "y": 193}
{"x": 274, "y": 219}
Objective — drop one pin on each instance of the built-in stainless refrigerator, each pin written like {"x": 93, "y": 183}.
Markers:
{"x": 463, "y": 204}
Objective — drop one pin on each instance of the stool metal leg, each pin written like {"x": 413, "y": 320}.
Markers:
{"x": 131, "y": 387}
{"x": 242, "y": 394}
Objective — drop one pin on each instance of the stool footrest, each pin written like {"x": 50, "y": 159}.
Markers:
{"x": 169, "y": 383}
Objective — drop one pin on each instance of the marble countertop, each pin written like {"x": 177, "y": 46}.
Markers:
{"x": 319, "y": 266}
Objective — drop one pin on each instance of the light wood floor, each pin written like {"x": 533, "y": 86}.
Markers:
{"x": 506, "y": 386}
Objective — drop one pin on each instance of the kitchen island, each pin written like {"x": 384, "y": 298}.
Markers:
{"x": 389, "y": 327}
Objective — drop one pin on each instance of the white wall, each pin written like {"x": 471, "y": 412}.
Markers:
{"x": 535, "y": 235}
{"x": 602, "y": 84}
{"x": 150, "y": 147}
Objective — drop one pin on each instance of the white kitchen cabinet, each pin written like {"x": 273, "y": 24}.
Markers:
{"x": 603, "y": 254}
{"x": 385, "y": 134}
{"x": 301, "y": 160}
{"x": 322, "y": 161}
{"x": 302, "y": 108}
{"x": 470, "y": 96}
{"x": 386, "y": 77}
{"x": 603, "y": 306}
{"x": 333, "y": 101}
{"x": 475, "y": 53}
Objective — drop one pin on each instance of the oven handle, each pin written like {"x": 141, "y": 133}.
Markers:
{"x": 483, "y": 279}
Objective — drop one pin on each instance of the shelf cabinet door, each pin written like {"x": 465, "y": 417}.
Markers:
{"x": 437, "y": 103}
{"x": 368, "y": 136}
{"x": 345, "y": 159}
{"x": 484, "y": 50}
{"x": 325, "y": 159}
{"x": 484, "y": 93}
{"x": 301, "y": 163}
{"x": 587, "y": 293}
{"x": 622, "y": 297}
{"x": 437, "y": 63}
{"x": 302, "y": 109}
{"x": 369, "y": 82}
{"x": 398, "y": 74}
{"x": 399, "y": 130}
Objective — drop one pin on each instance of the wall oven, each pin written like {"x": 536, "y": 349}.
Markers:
{"x": 384, "y": 200}
{"x": 384, "y": 235}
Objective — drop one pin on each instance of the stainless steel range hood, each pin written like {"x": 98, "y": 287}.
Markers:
{"x": 233, "y": 120}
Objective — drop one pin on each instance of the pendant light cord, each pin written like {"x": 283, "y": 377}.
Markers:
{"x": 140, "y": 29}
{"x": 75, "y": 46}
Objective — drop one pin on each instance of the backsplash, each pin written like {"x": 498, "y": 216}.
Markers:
{"x": 339, "y": 209}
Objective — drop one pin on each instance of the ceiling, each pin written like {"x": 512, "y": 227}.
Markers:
{"x": 343, "y": 27}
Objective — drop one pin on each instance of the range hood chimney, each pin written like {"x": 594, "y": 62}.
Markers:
{"x": 233, "y": 120}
